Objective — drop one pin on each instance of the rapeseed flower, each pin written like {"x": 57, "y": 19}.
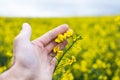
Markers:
{"x": 69, "y": 62}
{"x": 69, "y": 33}
{"x": 60, "y": 38}
{"x": 57, "y": 50}
{"x": 63, "y": 37}
{"x": 73, "y": 59}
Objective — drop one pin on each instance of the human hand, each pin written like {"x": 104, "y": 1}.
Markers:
{"x": 32, "y": 59}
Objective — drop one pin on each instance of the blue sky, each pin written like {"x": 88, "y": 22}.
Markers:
{"x": 58, "y": 8}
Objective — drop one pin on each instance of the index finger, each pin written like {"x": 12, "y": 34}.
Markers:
{"x": 52, "y": 34}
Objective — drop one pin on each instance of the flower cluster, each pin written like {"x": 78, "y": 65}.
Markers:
{"x": 73, "y": 59}
{"x": 63, "y": 37}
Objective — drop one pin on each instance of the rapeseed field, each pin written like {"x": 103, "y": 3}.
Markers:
{"x": 94, "y": 57}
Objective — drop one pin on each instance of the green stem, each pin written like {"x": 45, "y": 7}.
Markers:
{"x": 64, "y": 55}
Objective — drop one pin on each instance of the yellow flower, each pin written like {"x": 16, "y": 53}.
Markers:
{"x": 100, "y": 77}
{"x": 57, "y": 40}
{"x": 60, "y": 38}
{"x": 73, "y": 59}
{"x": 116, "y": 78}
{"x": 63, "y": 37}
{"x": 69, "y": 62}
{"x": 105, "y": 78}
{"x": 57, "y": 50}
{"x": 108, "y": 71}
{"x": 69, "y": 33}
{"x": 9, "y": 54}
{"x": 95, "y": 66}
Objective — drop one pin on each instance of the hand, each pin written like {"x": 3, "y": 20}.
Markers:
{"x": 33, "y": 60}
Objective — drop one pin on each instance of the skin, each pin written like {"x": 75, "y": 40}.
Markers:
{"x": 32, "y": 59}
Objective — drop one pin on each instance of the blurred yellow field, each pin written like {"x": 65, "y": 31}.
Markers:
{"x": 96, "y": 56}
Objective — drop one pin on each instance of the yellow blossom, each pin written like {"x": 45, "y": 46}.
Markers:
{"x": 70, "y": 62}
{"x": 9, "y": 54}
{"x": 63, "y": 37}
{"x": 73, "y": 59}
{"x": 108, "y": 71}
{"x": 60, "y": 52}
{"x": 116, "y": 78}
{"x": 95, "y": 66}
{"x": 57, "y": 50}
{"x": 59, "y": 38}
{"x": 69, "y": 33}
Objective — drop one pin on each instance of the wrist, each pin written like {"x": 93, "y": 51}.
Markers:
{"x": 20, "y": 73}
{"x": 16, "y": 73}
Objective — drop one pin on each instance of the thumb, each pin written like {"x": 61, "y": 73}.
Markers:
{"x": 22, "y": 39}
{"x": 25, "y": 33}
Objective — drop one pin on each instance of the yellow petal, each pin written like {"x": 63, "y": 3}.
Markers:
{"x": 73, "y": 58}
{"x": 61, "y": 37}
{"x": 60, "y": 52}
{"x": 65, "y": 36}
{"x": 56, "y": 49}
{"x": 57, "y": 40}
{"x": 69, "y": 32}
